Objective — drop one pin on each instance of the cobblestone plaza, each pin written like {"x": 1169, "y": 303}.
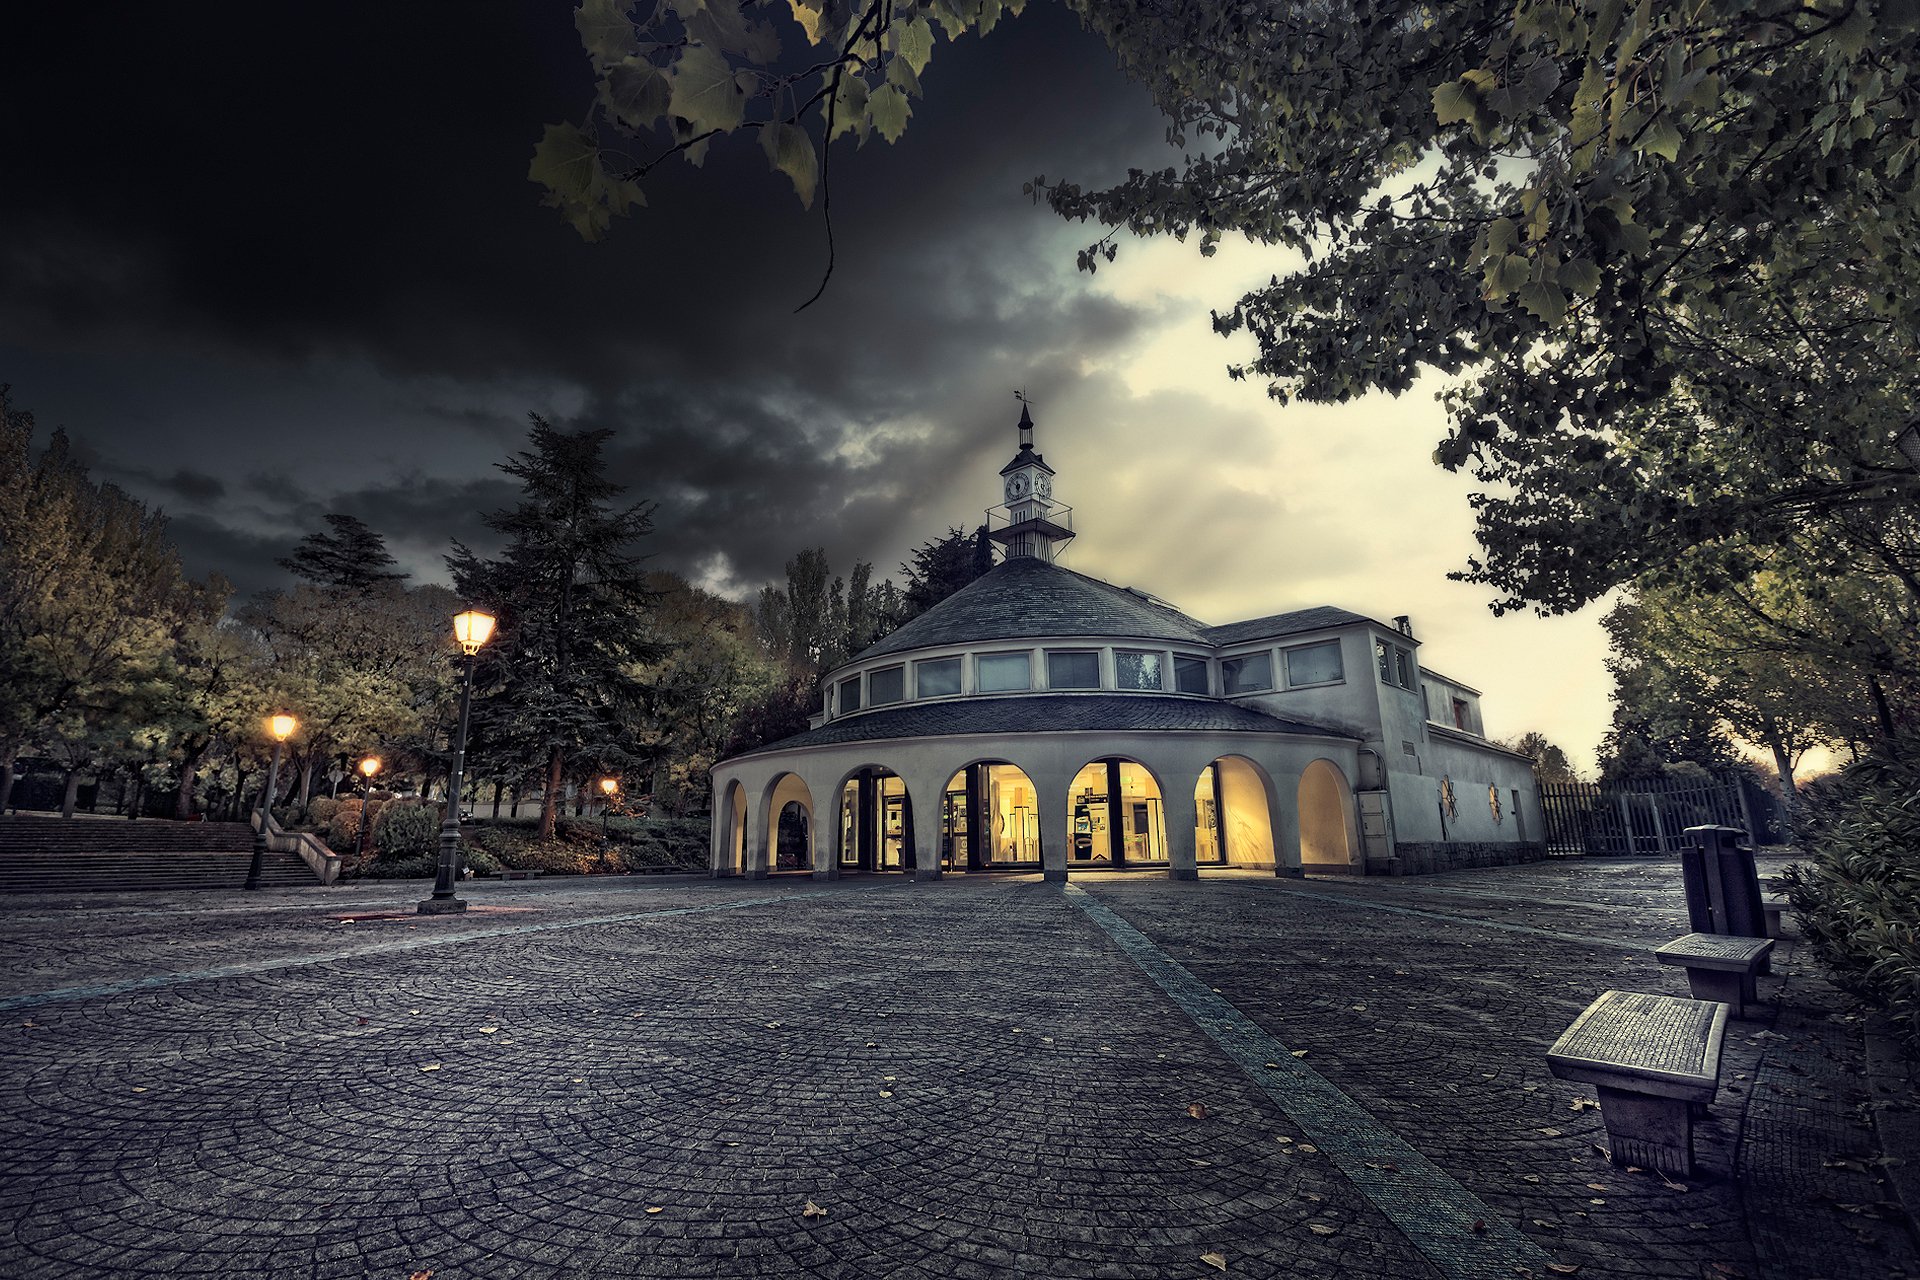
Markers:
{"x": 1121, "y": 1077}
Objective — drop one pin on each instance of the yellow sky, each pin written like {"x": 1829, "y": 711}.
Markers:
{"x": 1207, "y": 493}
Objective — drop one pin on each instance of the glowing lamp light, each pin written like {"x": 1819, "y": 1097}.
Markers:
{"x": 370, "y": 766}
{"x": 282, "y": 727}
{"x": 471, "y": 629}
{"x": 609, "y": 785}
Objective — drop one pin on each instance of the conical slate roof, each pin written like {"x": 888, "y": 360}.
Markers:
{"x": 1024, "y": 597}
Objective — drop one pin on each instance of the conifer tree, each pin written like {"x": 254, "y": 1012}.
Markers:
{"x": 557, "y": 684}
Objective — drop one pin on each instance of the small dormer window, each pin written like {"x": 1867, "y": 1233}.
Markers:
{"x": 1314, "y": 664}
{"x": 886, "y": 685}
{"x": 1073, "y": 669}
{"x": 849, "y": 694}
{"x": 936, "y": 678}
{"x": 1250, "y": 673}
{"x": 1003, "y": 673}
{"x": 1139, "y": 669}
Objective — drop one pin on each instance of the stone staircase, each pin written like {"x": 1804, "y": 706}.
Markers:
{"x": 81, "y": 855}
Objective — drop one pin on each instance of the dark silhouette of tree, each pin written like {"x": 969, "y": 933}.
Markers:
{"x": 349, "y": 556}
{"x": 572, "y": 599}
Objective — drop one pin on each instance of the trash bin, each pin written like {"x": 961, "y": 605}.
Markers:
{"x": 1722, "y": 884}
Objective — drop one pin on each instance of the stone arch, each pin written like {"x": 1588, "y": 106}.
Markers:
{"x": 1239, "y": 795}
{"x": 873, "y": 828}
{"x": 785, "y": 790}
{"x": 1327, "y": 838}
{"x": 990, "y": 817}
{"x": 1124, "y": 827}
{"x": 730, "y": 858}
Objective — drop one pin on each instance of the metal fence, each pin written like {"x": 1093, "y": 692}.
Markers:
{"x": 1650, "y": 816}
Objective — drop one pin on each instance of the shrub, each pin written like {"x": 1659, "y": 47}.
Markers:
{"x": 1858, "y": 900}
{"x": 321, "y": 811}
{"x": 406, "y": 831}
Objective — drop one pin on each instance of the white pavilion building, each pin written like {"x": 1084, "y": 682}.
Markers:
{"x": 1040, "y": 720}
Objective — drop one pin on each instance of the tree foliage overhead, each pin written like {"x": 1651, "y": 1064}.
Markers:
{"x": 1668, "y": 251}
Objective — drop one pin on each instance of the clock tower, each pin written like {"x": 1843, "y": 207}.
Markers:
{"x": 1032, "y": 520}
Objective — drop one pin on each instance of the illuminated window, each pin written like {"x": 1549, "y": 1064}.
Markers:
{"x": 1190, "y": 674}
{"x": 1072, "y": 670}
{"x": 1138, "y": 669}
{"x": 936, "y": 678}
{"x": 1003, "y": 673}
{"x": 888, "y": 685}
{"x": 849, "y": 694}
{"x": 1252, "y": 673}
{"x": 1315, "y": 664}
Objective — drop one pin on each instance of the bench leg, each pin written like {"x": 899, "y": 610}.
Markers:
{"x": 1650, "y": 1132}
{"x": 1724, "y": 985}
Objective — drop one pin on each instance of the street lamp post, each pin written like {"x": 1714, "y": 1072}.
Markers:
{"x": 281, "y": 727}
{"x": 471, "y": 629}
{"x": 609, "y": 789}
{"x": 368, "y": 767}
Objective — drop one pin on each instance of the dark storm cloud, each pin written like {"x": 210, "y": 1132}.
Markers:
{"x": 320, "y": 243}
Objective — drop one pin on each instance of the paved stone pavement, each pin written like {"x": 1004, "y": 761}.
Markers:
{"x": 984, "y": 1077}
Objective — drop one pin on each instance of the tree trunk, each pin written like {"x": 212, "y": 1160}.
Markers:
{"x": 550, "y": 802}
{"x": 7, "y": 759}
{"x": 72, "y": 794}
{"x": 498, "y": 787}
{"x": 1884, "y": 714}
{"x": 183, "y": 798}
{"x": 306, "y": 780}
{"x": 138, "y": 789}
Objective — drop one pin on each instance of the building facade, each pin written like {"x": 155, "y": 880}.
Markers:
{"x": 1041, "y": 720}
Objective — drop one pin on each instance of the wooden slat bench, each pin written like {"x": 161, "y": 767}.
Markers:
{"x": 1718, "y": 967}
{"x": 1651, "y": 1059}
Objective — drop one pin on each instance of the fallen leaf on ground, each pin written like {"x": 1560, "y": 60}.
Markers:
{"x": 1671, "y": 1185}
{"x": 1299, "y": 1053}
{"x": 1563, "y": 1268}
{"x": 430, "y": 1066}
{"x": 1544, "y": 1225}
{"x": 1307, "y": 1147}
{"x": 773, "y": 1026}
{"x": 813, "y": 1211}
{"x": 1198, "y": 1110}
{"x": 1551, "y": 1133}
{"x": 1214, "y": 1260}
{"x": 1584, "y": 1104}
{"x": 1273, "y": 1066}
{"x": 886, "y": 1093}
{"x": 1595, "y": 1186}
{"x": 1281, "y": 1137}
{"x": 656, "y": 1208}
{"x": 421, "y": 1275}
{"x": 362, "y": 1022}
{"x": 1529, "y": 1177}
{"x": 487, "y": 1031}
{"x": 1320, "y": 1228}
{"x": 139, "y": 1088}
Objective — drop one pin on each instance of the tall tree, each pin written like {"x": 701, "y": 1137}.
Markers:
{"x": 572, "y": 601}
{"x": 1661, "y": 717}
{"x": 941, "y": 566}
{"x": 1550, "y": 763}
{"x": 90, "y": 590}
{"x": 347, "y": 556}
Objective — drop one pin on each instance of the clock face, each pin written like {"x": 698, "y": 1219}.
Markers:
{"x": 1016, "y": 487}
{"x": 1043, "y": 486}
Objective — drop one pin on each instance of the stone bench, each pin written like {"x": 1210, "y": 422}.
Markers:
{"x": 1651, "y": 1059}
{"x": 1718, "y": 967}
{"x": 519, "y": 873}
{"x": 1773, "y": 904}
